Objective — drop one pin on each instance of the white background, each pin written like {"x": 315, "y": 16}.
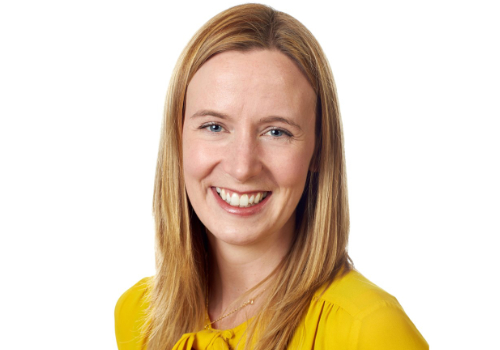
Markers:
{"x": 82, "y": 87}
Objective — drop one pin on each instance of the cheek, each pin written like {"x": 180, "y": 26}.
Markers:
{"x": 197, "y": 160}
{"x": 191, "y": 161}
{"x": 290, "y": 170}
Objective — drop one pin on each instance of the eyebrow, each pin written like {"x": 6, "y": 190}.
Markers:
{"x": 206, "y": 112}
{"x": 270, "y": 119}
{"x": 273, "y": 119}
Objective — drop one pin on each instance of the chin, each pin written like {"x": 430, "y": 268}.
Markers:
{"x": 235, "y": 237}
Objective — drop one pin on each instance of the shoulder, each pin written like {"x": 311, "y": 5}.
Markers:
{"x": 130, "y": 315}
{"x": 355, "y": 294}
{"x": 361, "y": 315}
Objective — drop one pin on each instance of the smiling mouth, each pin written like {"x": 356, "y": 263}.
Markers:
{"x": 241, "y": 200}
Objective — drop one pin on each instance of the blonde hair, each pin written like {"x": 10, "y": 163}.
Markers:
{"x": 318, "y": 252}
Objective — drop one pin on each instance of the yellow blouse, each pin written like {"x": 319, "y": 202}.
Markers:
{"x": 352, "y": 314}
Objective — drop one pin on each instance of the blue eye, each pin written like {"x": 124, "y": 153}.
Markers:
{"x": 215, "y": 128}
{"x": 212, "y": 127}
{"x": 278, "y": 133}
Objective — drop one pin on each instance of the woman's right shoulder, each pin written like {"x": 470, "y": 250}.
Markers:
{"x": 130, "y": 315}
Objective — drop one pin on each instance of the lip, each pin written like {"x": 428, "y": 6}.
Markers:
{"x": 254, "y": 209}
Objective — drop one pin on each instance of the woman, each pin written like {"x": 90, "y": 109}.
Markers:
{"x": 251, "y": 205}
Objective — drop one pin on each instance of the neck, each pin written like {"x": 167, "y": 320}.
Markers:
{"x": 237, "y": 269}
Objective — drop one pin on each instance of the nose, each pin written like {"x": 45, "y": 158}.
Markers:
{"x": 242, "y": 160}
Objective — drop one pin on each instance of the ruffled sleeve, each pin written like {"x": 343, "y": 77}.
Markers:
{"x": 355, "y": 314}
{"x": 388, "y": 327}
{"x": 130, "y": 313}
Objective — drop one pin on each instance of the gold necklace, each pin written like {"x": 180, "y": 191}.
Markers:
{"x": 209, "y": 324}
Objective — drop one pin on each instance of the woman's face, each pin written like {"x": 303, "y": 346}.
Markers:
{"x": 248, "y": 133}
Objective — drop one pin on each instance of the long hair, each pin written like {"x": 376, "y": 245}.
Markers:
{"x": 318, "y": 251}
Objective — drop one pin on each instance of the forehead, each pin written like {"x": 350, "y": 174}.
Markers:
{"x": 262, "y": 81}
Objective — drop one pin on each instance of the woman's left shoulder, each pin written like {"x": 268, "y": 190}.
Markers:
{"x": 357, "y": 295}
{"x": 354, "y": 313}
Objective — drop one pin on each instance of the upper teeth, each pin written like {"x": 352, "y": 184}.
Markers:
{"x": 243, "y": 200}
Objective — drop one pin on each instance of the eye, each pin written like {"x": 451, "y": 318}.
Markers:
{"x": 215, "y": 128}
{"x": 212, "y": 127}
{"x": 278, "y": 133}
